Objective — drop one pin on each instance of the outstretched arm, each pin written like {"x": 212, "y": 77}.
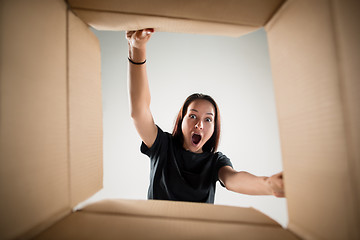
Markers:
{"x": 246, "y": 183}
{"x": 139, "y": 87}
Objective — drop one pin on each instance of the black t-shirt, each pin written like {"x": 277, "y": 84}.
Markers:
{"x": 180, "y": 175}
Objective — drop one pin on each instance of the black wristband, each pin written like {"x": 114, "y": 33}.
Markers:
{"x": 136, "y": 63}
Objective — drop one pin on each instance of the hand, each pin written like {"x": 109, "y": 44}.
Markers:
{"x": 277, "y": 185}
{"x": 139, "y": 38}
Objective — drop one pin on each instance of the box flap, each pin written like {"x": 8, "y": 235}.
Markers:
{"x": 165, "y": 220}
{"x": 231, "y": 18}
{"x": 85, "y": 111}
{"x": 180, "y": 210}
{"x": 320, "y": 175}
{"x": 34, "y": 180}
{"x": 121, "y": 21}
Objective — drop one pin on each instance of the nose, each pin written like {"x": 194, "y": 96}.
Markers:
{"x": 199, "y": 125}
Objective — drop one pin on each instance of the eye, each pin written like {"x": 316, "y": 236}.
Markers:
{"x": 192, "y": 116}
{"x": 208, "y": 119}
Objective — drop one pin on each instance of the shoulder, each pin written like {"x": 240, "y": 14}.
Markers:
{"x": 162, "y": 140}
{"x": 220, "y": 155}
{"x": 222, "y": 160}
{"x": 162, "y": 135}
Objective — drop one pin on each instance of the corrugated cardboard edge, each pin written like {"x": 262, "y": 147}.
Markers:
{"x": 117, "y": 21}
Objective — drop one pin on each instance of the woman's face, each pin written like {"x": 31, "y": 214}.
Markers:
{"x": 198, "y": 125}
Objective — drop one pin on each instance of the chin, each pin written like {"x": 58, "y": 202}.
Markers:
{"x": 197, "y": 150}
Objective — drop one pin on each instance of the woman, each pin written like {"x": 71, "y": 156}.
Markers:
{"x": 185, "y": 165}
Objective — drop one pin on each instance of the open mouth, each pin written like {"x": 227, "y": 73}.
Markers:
{"x": 195, "y": 138}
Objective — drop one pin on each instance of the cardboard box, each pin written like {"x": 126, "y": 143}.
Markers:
{"x": 51, "y": 128}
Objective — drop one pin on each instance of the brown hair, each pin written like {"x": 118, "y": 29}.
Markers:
{"x": 212, "y": 144}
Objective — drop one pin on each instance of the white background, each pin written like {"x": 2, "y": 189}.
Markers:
{"x": 236, "y": 72}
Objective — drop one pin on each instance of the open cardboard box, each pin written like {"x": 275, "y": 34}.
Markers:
{"x": 51, "y": 119}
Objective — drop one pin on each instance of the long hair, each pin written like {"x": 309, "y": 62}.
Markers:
{"x": 212, "y": 144}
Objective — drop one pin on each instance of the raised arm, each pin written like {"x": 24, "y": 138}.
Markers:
{"x": 139, "y": 87}
{"x": 246, "y": 183}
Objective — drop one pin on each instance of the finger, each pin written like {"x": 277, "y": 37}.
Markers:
{"x": 279, "y": 175}
{"x": 138, "y": 35}
{"x": 143, "y": 34}
{"x": 129, "y": 34}
{"x": 279, "y": 183}
{"x": 149, "y": 30}
{"x": 279, "y": 194}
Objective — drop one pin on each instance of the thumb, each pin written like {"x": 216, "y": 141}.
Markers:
{"x": 141, "y": 34}
{"x": 149, "y": 30}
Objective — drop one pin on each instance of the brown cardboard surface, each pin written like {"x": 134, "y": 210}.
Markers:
{"x": 347, "y": 30}
{"x": 85, "y": 111}
{"x": 161, "y": 223}
{"x": 180, "y": 210}
{"x": 33, "y": 116}
{"x": 121, "y": 21}
{"x": 50, "y": 119}
{"x": 82, "y": 225}
{"x": 240, "y": 12}
{"x": 229, "y": 18}
{"x": 307, "y": 78}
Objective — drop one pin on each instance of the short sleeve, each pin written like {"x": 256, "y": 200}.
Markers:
{"x": 221, "y": 161}
{"x": 161, "y": 141}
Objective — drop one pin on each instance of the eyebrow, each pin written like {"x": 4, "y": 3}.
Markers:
{"x": 198, "y": 111}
